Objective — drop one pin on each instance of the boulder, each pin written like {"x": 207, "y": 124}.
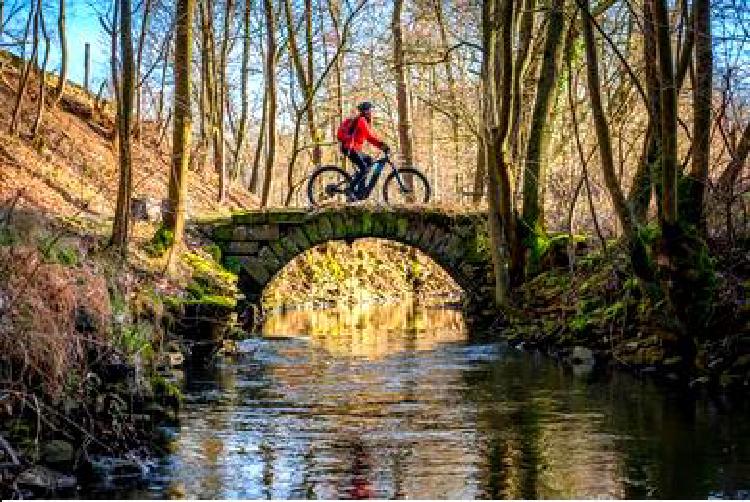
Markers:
{"x": 58, "y": 453}
{"x": 42, "y": 480}
{"x": 582, "y": 356}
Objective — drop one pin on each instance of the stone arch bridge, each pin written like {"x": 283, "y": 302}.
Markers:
{"x": 258, "y": 244}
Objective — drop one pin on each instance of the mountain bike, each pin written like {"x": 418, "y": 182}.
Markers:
{"x": 331, "y": 185}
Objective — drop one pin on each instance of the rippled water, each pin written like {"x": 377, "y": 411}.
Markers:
{"x": 398, "y": 401}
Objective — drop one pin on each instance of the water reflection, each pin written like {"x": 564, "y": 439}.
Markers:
{"x": 396, "y": 402}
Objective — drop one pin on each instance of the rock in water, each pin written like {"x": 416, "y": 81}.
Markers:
{"x": 42, "y": 480}
{"x": 58, "y": 453}
{"x": 582, "y": 356}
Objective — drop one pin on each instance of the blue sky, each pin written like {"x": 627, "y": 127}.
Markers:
{"x": 82, "y": 26}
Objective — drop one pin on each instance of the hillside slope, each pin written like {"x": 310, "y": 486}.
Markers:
{"x": 71, "y": 170}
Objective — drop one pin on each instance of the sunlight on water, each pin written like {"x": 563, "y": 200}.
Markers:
{"x": 397, "y": 401}
{"x": 370, "y": 331}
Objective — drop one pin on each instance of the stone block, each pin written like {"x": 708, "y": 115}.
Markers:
{"x": 353, "y": 226}
{"x": 240, "y": 248}
{"x": 255, "y": 233}
{"x": 339, "y": 226}
{"x": 378, "y": 225}
{"x": 312, "y": 233}
{"x": 257, "y": 270}
{"x": 366, "y": 223}
{"x": 402, "y": 227}
{"x": 270, "y": 261}
{"x": 250, "y": 218}
{"x": 325, "y": 228}
{"x": 290, "y": 246}
{"x": 281, "y": 252}
{"x": 300, "y": 239}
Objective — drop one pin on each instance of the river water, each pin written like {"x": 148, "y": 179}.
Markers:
{"x": 401, "y": 401}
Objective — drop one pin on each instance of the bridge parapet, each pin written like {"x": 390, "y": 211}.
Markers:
{"x": 260, "y": 243}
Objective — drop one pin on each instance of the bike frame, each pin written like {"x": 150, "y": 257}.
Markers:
{"x": 378, "y": 167}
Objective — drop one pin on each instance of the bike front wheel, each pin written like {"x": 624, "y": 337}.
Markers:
{"x": 328, "y": 185}
{"x": 406, "y": 186}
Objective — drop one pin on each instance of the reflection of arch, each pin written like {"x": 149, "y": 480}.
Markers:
{"x": 261, "y": 243}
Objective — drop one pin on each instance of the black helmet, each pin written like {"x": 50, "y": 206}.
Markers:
{"x": 364, "y": 106}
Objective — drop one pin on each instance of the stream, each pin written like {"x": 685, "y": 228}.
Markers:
{"x": 402, "y": 401}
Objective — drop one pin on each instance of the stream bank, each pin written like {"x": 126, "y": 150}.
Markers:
{"x": 593, "y": 314}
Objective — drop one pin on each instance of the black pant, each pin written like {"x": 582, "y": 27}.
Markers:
{"x": 362, "y": 162}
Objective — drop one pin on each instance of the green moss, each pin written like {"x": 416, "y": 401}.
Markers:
{"x": 59, "y": 252}
{"x": 8, "y": 237}
{"x": 195, "y": 290}
{"x": 213, "y": 300}
{"x": 579, "y": 324}
{"x": 233, "y": 264}
{"x": 160, "y": 242}
{"x": 213, "y": 251}
{"x": 164, "y": 388}
{"x": 210, "y": 275}
{"x": 136, "y": 339}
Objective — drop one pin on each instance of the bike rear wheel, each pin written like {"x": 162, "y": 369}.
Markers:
{"x": 396, "y": 193}
{"x": 328, "y": 185}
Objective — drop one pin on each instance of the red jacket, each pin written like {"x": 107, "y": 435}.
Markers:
{"x": 355, "y": 139}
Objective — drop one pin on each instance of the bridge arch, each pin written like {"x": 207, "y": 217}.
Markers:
{"x": 259, "y": 244}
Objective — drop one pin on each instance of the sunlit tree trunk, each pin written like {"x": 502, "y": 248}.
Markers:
{"x": 402, "y": 93}
{"x": 145, "y": 20}
{"x": 62, "y": 32}
{"x": 453, "y": 95}
{"x": 220, "y": 99}
{"x": 31, "y": 20}
{"x": 183, "y": 122}
{"x": 525, "y": 34}
{"x": 497, "y": 29}
{"x": 540, "y": 128}
{"x": 124, "y": 122}
{"x": 244, "y": 77}
{"x": 42, "y": 70}
{"x": 271, "y": 103}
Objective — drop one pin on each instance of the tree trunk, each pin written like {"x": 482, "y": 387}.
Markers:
{"x": 183, "y": 122}
{"x": 311, "y": 120}
{"x": 602, "y": 128}
{"x": 63, "y": 53}
{"x": 139, "y": 62}
{"x": 497, "y": 28}
{"x": 480, "y": 172}
{"x": 452, "y": 88}
{"x": 220, "y": 100}
{"x": 540, "y": 128}
{"x": 124, "y": 122}
{"x": 271, "y": 90}
{"x": 525, "y": 34}
{"x": 244, "y": 76}
{"x": 668, "y": 116}
{"x": 254, "y": 173}
{"x": 334, "y": 10}
{"x": 692, "y": 210}
{"x": 42, "y": 70}
{"x": 402, "y": 94}
{"x": 24, "y": 80}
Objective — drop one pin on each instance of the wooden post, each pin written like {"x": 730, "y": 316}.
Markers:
{"x": 87, "y": 66}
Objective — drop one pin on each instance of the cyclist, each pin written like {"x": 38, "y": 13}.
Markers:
{"x": 352, "y": 134}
